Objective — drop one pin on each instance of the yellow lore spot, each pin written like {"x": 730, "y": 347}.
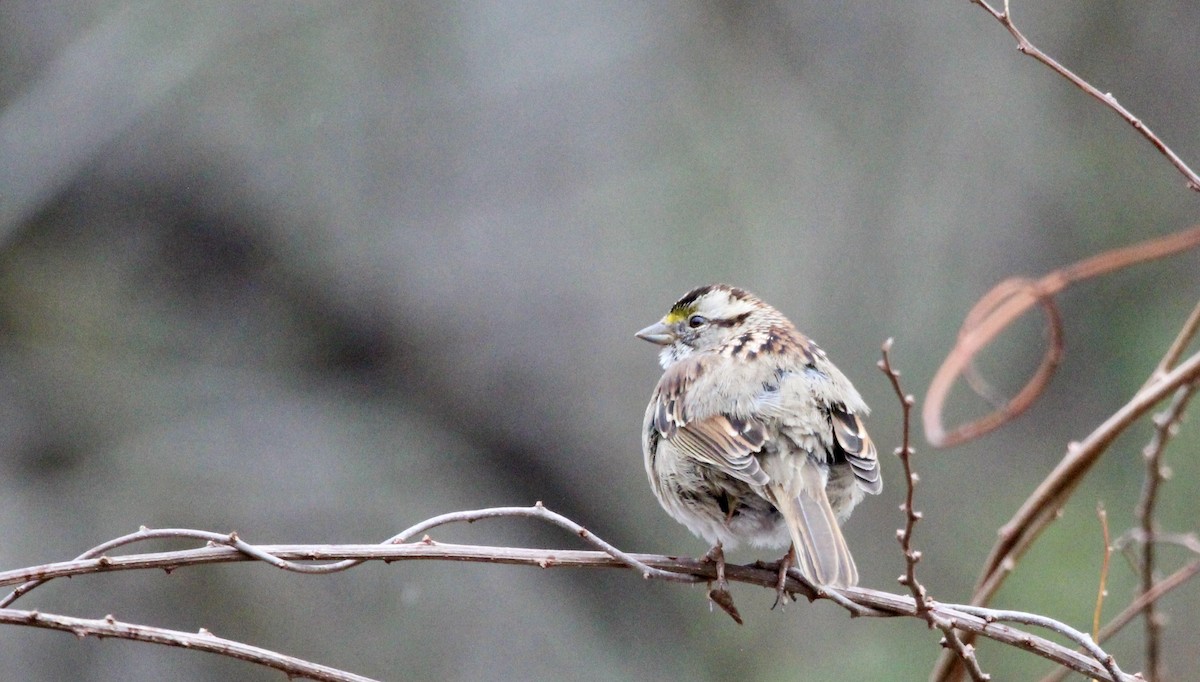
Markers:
{"x": 678, "y": 315}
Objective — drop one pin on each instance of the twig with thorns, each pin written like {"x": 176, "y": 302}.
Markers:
{"x": 905, "y": 452}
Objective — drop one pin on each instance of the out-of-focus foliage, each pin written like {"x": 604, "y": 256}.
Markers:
{"x": 316, "y": 271}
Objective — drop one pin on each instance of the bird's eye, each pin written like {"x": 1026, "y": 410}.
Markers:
{"x": 697, "y": 321}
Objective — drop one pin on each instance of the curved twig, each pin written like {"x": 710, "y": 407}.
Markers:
{"x": 1008, "y": 301}
{"x": 1082, "y": 638}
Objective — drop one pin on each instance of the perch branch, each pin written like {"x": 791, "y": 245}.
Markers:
{"x": 232, "y": 540}
{"x": 866, "y": 602}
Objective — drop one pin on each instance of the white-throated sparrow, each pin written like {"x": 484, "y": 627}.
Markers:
{"x": 753, "y": 435}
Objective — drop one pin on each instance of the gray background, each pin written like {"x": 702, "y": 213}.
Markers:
{"x": 317, "y": 271}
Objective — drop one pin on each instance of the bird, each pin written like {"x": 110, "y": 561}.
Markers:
{"x": 753, "y": 435}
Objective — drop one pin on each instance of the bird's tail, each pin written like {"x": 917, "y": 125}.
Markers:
{"x": 820, "y": 550}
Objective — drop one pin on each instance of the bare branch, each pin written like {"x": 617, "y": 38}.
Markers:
{"x": 1082, "y": 638}
{"x": 1165, "y": 424}
{"x": 1184, "y": 338}
{"x": 1122, "y": 619}
{"x": 1102, "y": 590}
{"x": 1105, "y": 98}
{"x": 1039, "y": 510}
{"x": 1011, "y": 299}
{"x": 859, "y": 601}
{"x": 198, "y": 641}
{"x": 538, "y": 511}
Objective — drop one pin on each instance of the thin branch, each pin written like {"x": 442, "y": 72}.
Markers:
{"x": 1040, "y": 508}
{"x": 1132, "y": 611}
{"x": 1165, "y": 425}
{"x": 950, "y": 638}
{"x": 1105, "y": 98}
{"x": 1150, "y": 596}
{"x": 1182, "y": 340}
{"x": 537, "y": 511}
{"x": 1082, "y": 638}
{"x": 198, "y": 641}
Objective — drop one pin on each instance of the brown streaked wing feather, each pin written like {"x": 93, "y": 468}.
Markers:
{"x": 852, "y": 438}
{"x": 669, "y": 411}
{"x": 726, "y": 443}
{"x": 722, "y": 441}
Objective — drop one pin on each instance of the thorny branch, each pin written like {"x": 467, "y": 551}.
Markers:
{"x": 965, "y": 652}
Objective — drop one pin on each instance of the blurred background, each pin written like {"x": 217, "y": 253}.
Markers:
{"x": 317, "y": 271}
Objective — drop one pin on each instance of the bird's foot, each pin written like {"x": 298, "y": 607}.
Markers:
{"x": 720, "y": 594}
{"x": 782, "y": 595}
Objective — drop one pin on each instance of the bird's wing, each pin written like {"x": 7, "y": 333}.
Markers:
{"x": 726, "y": 442}
{"x": 819, "y": 384}
{"x": 852, "y": 440}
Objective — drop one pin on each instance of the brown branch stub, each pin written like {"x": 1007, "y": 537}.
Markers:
{"x": 1102, "y": 590}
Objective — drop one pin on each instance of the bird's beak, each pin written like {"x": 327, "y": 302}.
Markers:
{"x": 658, "y": 333}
